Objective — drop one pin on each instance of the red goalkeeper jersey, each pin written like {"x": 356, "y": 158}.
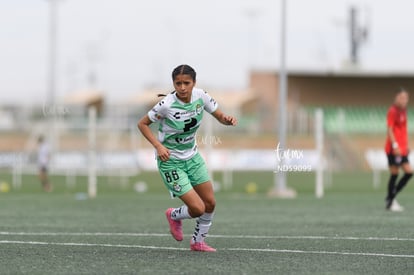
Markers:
{"x": 397, "y": 121}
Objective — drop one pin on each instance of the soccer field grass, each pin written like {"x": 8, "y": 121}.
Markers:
{"x": 123, "y": 232}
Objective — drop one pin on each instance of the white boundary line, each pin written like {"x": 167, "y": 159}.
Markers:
{"x": 323, "y": 252}
{"x": 92, "y": 244}
{"x": 5, "y": 233}
{"x": 228, "y": 249}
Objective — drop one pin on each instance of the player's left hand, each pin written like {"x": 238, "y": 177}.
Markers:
{"x": 229, "y": 120}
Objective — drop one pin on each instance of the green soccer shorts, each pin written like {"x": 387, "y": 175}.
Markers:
{"x": 181, "y": 175}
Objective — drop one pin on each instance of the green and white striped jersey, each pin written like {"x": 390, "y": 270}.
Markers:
{"x": 179, "y": 121}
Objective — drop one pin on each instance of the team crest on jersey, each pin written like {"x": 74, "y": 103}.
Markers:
{"x": 176, "y": 187}
{"x": 199, "y": 109}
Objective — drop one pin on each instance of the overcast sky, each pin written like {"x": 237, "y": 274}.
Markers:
{"x": 128, "y": 45}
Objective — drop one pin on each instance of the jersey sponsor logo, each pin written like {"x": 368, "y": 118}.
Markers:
{"x": 188, "y": 114}
{"x": 177, "y": 115}
{"x": 189, "y": 124}
{"x": 184, "y": 140}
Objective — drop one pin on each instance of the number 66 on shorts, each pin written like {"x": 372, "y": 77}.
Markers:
{"x": 176, "y": 181}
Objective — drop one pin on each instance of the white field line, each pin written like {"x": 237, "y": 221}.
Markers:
{"x": 322, "y": 252}
{"x": 92, "y": 244}
{"x": 210, "y": 236}
{"x": 228, "y": 249}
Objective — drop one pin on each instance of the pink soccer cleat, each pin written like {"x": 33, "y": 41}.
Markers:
{"x": 176, "y": 227}
{"x": 202, "y": 247}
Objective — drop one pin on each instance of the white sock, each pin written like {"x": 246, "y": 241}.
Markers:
{"x": 203, "y": 224}
{"x": 180, "y": 213}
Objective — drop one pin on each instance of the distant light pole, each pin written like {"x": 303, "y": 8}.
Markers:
{"x": 281, "y": 176}
{"x": 358, "y": 35}
{"x": 280, "y": 188}
{"x": 53, "y": 30}
{"x": 52, "y": 66}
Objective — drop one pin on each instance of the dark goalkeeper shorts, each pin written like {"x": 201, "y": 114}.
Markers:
{"x": 394, "y": 160}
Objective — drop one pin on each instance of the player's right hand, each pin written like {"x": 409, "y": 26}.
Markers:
{"x": 163, "y": 153}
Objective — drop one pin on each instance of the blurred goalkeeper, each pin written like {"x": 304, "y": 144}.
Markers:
{"x": 397, "y": 150}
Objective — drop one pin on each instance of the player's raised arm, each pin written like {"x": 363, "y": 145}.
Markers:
{"x": 224, "y": 119}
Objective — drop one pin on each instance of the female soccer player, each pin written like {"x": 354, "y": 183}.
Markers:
{"x": 396, "y": 148}
{"x": 181, "y": 167}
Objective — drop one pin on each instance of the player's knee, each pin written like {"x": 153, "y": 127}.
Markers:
{"x": 197, "y": 210}
{"x": 210, "y": 205}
